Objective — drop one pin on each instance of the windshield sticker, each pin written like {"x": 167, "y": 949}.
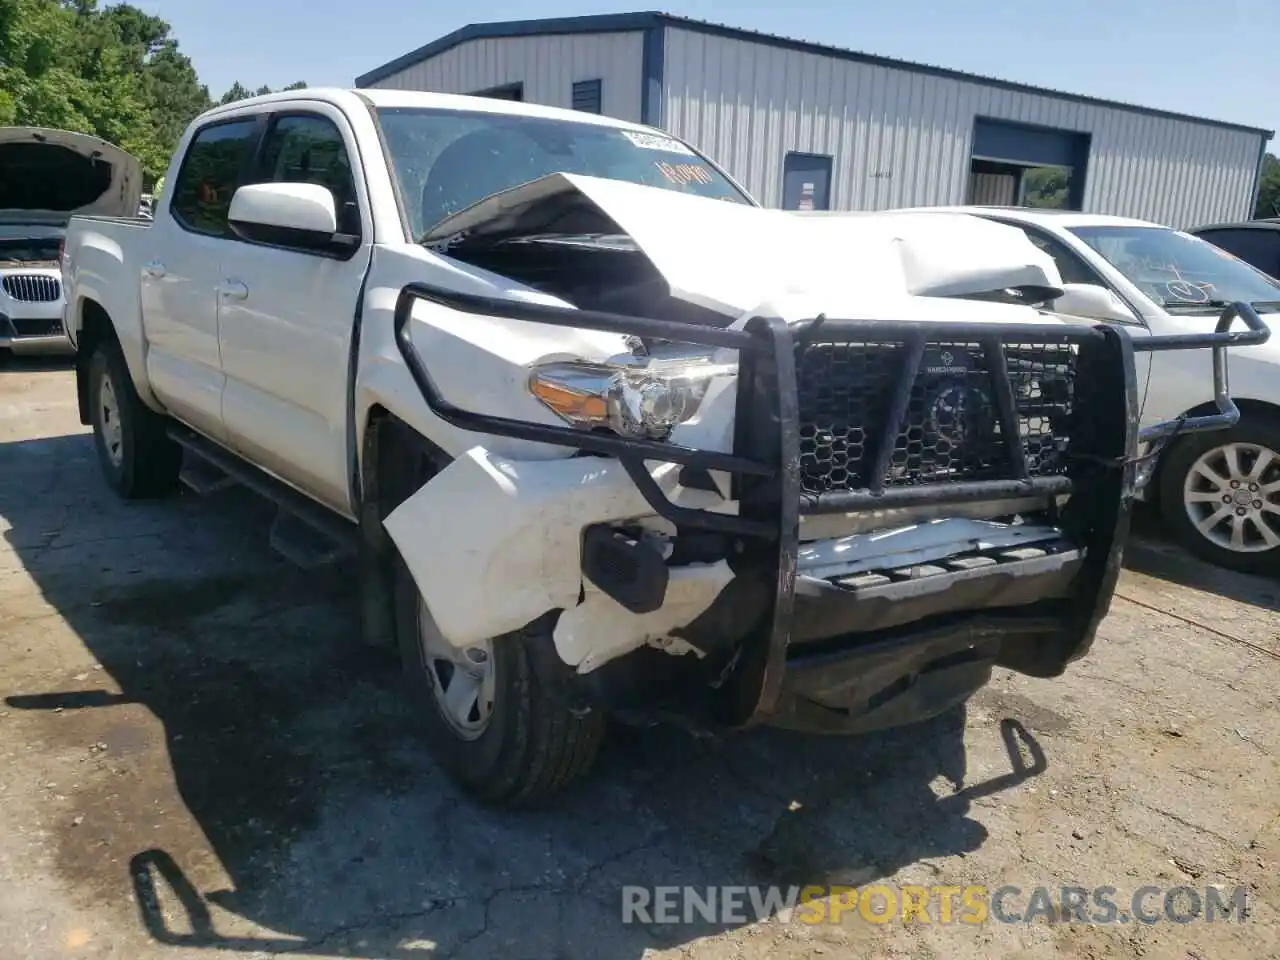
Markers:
{"x": 682, "y": 174}
{"x": 1189, "y": 291}
{"x": 651, "y": 141}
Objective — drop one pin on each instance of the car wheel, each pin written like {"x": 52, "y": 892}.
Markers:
{"x": 493, "y": 714}
{"x": 1220, "y": 495}
{"x": 137, "y": 458}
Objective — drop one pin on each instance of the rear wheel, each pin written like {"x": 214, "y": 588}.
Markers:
{"x": 493, "y": 713}
{"x": 1220, "y": 495}
{"x": 137, "y": 458}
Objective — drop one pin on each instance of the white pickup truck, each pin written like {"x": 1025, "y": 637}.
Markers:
{"x": 606, "y": 436}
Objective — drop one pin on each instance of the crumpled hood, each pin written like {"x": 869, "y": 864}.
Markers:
{"x": 47, "y": 176}
{"x": 732, "y": 258}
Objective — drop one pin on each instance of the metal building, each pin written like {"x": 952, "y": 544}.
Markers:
{"x": 803, "y": 125}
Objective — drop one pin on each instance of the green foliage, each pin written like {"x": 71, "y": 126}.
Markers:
{"x": 1046, "y": 187}
{"x": 1269, "y": 188}
{"x": 115, "y": 72}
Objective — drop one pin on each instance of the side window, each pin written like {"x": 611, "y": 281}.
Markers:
{"x": 1258, "y": 248}
{"x": 309, "y": 149}
{"x": 210, "y": 174}
{"x": 1072, "y": 268}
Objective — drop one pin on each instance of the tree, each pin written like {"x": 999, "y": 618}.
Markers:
{"x": 239, "y": 91}
{"x": 116, "y": 72}
{"x": 1046, "y": 187}
{"x": 1269, "y": 188}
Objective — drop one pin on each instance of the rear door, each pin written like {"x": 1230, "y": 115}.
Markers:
{"x": 286, "y": 316}
{"x": 180, "y": 271}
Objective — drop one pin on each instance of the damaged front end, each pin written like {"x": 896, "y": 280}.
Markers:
{"x": 862, "y": 521}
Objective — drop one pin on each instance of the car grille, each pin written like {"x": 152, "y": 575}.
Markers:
{"x": 32, "y": 287}
{"x": 47, "y": 327}
{"x": 951, "y": 430}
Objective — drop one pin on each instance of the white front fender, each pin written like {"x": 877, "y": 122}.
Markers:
{"x": 493, "y": 544}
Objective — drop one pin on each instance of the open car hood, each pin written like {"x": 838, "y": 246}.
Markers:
{"x": 47, "y": 176}
{"x": 733, "y": 259}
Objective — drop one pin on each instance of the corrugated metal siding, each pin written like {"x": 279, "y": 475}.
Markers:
{"x": 902, "y": 138}
{"x": 547, "y": 65}
{"x": 993, "y": 189}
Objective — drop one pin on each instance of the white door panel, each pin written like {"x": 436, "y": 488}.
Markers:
{"x": 285, "y": 350}
{"x": 287, "y": 317}
{"x": 180, "y": 312}
{"x": 180, "y": 272}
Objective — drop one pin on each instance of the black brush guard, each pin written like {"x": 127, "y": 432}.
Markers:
{"x": 765, "y": 470}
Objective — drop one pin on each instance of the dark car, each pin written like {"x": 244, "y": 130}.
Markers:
{"x": 1256, "y": 242}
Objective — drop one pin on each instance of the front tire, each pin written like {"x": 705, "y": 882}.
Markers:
{"x": 494, "y": 716}
{"x": 137, "y": 457}
{"x": 1220, "y": 495}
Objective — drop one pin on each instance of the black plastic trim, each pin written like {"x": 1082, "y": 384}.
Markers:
{"x": 632, "y": 571}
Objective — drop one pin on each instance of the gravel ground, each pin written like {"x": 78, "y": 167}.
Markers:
{"x": 199, "y": 761}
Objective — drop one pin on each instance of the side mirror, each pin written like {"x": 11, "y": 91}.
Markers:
{"x": 1092, "y": 302}
{"x": 289, "y": 214}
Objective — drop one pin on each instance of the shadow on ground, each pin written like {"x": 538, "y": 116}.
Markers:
{"x": 254, "y": 768}
{"x": 1152, "y": 553}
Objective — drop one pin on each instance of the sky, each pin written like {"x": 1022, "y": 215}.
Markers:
{"x": 1211, "y": 58}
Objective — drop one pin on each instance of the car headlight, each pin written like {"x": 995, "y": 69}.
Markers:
{"x": 641, "y": 397}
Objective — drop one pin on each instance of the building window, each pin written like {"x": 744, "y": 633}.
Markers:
{"x": 508, "y": 91}
{"x": 586, "y": 96}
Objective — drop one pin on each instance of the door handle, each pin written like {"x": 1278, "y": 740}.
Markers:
{"x": 233, "y": 290}
{"x": 154, "y": 269}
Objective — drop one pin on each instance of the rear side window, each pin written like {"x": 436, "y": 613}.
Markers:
{"x": 1258, "y": 248}
{"x": 310, "y": 149}
{"x": 210, "y": 174}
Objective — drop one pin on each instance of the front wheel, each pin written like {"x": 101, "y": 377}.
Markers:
{"x": 493, "y": 714}
{"x": 1220, "y": 495}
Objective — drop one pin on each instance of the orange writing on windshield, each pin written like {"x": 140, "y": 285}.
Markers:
{"x": 683, "y": 173}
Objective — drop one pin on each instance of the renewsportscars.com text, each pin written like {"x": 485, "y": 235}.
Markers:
{"x": 972, "y": 904}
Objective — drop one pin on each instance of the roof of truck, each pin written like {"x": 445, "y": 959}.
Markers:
{"x": 401, "y": 99}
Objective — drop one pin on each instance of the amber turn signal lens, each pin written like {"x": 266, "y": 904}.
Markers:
{"x": 571, "y": 404}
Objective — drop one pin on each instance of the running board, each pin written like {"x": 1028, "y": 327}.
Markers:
{"x": 201, "y": 477}
{"x": 304, "y": 532}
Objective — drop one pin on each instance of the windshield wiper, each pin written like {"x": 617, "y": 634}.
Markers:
{"x": 1217, "y": 304}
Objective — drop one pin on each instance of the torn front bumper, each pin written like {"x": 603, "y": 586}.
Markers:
{"x": 786, "y": 638}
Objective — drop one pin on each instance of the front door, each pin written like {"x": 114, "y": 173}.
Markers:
{"x": 180, "y": 275}
{"x": 287, "y": 317}
{"x": 806, "y": 182}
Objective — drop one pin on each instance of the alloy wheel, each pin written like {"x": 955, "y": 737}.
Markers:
{"x": 1232, "y": 496}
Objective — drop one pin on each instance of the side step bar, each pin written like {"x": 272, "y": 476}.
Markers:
{"x": 304, "y": 532}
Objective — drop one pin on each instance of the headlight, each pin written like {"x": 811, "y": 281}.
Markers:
{"x": 637, "y": 397}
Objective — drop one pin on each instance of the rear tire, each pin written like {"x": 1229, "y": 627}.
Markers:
{"x": 521, "y": 740}
{"x": 137, "y": 457}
